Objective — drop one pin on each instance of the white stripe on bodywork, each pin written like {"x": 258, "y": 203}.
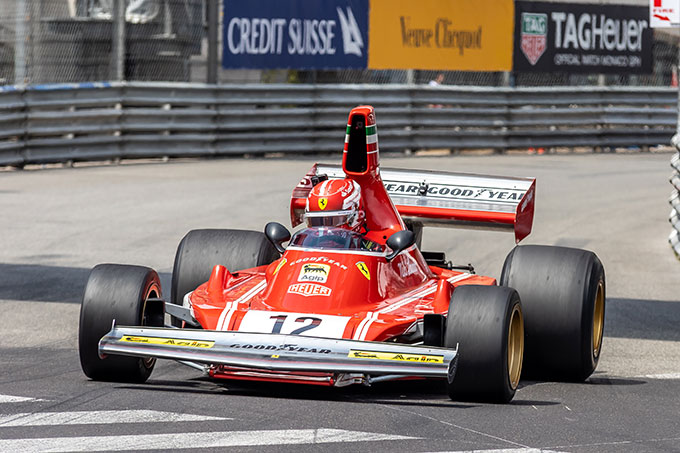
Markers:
{"x": 421, "y": 293}
{"x": 230, "y": 308}
{"x": 97, "y": 417}
{"x": 364, "y": 325}
{"x": 178, "y": 441}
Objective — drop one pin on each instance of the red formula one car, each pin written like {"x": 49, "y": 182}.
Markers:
{"x": 351, "y": 298}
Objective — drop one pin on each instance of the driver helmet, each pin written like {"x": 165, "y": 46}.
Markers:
{"x": 335, "y": 202}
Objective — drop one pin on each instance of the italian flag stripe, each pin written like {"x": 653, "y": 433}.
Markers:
{"x": 349, "y": 128}
{"x": 370, "y": 130}
{"x": 372, "y": 146}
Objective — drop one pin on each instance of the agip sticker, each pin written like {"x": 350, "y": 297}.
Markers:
{"x": 168, "y": 341}
{"x": 374, "y": 355}
{"x": 314, "y": 272}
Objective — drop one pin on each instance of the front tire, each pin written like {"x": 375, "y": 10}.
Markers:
{"x": 563, "y": 297}
{"x": 200, "y": 250}
{"x": 120, "y": 292}
{"x": 487, "y": 324}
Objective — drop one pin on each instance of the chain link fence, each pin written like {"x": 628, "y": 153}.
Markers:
{"x": 57, "y": 41}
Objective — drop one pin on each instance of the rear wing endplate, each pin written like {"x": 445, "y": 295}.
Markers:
{"x": 444, "y": 199}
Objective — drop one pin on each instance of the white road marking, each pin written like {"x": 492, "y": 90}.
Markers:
{"x": 661, "y": 376}
{"x": 194, "y": 440}
{"x": 504, "y": 450}
{"x": 94, "y": 417}
{"x": 17, "y": 399}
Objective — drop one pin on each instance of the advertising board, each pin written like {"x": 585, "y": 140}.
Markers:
{"x": 463, "y": 35}
{"x": 297, "y": 34}
{"x": 582, "y": 38}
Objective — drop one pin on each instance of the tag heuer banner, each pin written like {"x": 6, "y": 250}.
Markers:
{"x": 298, "y": 34}
{"x": 568, "y": 37}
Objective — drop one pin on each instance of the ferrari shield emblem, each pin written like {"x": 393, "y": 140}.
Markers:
{"x": 323, "y": 202}
{"x": 534, "y": 35}
{"x": 363, "y": 269}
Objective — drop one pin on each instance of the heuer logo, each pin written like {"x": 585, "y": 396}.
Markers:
{"x": 309, "y": 289}
{"x": 534, "y": 35}
{"x": 314, "y": 272}
{"x": 351, "y": 35}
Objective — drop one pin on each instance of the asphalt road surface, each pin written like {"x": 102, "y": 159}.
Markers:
{"x": 56, "y": 224}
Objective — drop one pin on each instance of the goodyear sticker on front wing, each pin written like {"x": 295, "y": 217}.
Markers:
{"x": 169, "y": 341}
{"x": 354, "y": 354}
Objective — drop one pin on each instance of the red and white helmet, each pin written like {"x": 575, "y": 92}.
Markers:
{"x": 335, "y": 202}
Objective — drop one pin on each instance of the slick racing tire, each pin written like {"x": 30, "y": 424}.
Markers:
{"x": 200, "y": 250}
{"x": 563, "y": 298}
{"x": 487, "y": 325}
{"x": 120, "y": 292}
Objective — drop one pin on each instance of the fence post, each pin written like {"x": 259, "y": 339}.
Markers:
{"x": 118, "y": 40}
{"x": 20, "y": 44}
{"x": 213, "y": 24}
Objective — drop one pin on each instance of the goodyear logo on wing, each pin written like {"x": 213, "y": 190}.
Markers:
{"x": 314, "y": 272}
{"x": 168, "y": 341}
{"x": 420, "y": 358}
{"x": 309, "y": 289}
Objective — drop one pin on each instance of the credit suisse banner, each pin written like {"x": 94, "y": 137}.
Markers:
{"x": 299, "y": 34}
{"x": 463, "y": 35}
{"x": 567, "y": 37}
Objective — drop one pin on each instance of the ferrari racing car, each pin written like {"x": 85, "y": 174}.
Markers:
{"x": 350, "y": 298}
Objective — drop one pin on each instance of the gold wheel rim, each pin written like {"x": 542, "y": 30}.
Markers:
{"x": 598, "y": 320}
{"x": 515, "y": 346}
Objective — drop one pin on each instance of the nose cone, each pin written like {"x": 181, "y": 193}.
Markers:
{"x": 323, "y": 284}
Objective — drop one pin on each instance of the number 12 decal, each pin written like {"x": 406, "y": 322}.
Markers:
{"x": 287, "y": 323}
{"x": 280, "y": 319}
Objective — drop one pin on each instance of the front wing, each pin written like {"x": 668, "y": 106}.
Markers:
{"x": 278, "y": 352}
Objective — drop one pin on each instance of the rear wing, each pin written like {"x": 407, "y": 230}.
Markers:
{"x": 443, "y": 198}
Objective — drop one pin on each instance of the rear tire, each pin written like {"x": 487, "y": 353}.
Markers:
{"x": 563, "y": 297}
{"x": 200, "y": 250}
{"x": 486, "y": 322}
{"x": 120, "y": 292}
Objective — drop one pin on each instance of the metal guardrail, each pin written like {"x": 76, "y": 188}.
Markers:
{"x": 101, "y": 121}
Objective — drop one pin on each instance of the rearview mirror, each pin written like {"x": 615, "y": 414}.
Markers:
{"x": 400, "y": 241}
{"x": 277, "y": 235}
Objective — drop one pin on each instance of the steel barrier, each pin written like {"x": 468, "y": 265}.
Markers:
{"x": 101, "y": 121}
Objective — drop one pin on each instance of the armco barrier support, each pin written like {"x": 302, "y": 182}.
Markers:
{"x": 100, "y": 121}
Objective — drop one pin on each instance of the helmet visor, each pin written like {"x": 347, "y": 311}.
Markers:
{"x": 330, "y": 218}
